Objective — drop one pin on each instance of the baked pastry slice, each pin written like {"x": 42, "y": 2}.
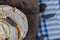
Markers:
{"x": 13, "y": 25}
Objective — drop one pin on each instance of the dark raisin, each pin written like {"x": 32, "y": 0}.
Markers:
{"x": 10, "y": 21}
{"x": 42, "y": 7}
{"x": 48, "y": 16}
{"x": 35, "y": 11}
{"x": 21, "y": 5}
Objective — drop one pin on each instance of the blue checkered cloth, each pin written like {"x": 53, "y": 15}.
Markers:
{"x": 51, "y": 26}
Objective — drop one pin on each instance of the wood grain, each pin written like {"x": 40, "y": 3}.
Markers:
{"x": 33, "y": 20}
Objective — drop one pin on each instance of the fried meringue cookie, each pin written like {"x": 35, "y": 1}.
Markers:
{"x": 13, "y": 25}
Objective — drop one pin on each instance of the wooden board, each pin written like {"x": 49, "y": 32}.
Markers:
{"x": 33, "y": 20}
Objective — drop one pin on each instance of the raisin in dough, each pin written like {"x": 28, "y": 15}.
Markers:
{"x": 9, "y": 32}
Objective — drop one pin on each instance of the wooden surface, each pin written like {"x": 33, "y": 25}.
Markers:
{"x": 33, "y": 20}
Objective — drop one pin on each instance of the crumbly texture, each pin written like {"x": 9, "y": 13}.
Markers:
{"x": 19, "y": 18}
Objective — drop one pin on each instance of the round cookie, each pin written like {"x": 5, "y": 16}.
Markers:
{"x": 17, "y": 32}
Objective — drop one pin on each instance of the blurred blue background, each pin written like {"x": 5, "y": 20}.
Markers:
{"x": 50, "y": 27}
